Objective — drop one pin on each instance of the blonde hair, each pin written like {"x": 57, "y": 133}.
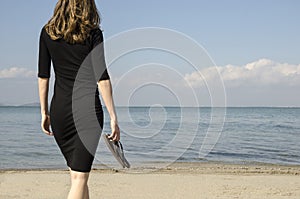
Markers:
{"x": 73, "y": 20}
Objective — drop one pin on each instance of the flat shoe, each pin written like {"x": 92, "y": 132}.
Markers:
{"x": 116, "y": 149}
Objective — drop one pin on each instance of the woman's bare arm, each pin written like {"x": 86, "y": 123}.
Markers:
{"x": 43, "y": 95}
{"x": 107, "y": 96}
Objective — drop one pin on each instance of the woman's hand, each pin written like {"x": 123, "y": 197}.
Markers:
{"x": 115, "y": 131}
{"x": 46, "y": 125}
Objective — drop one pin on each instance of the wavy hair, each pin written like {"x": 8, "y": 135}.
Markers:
{"x": 73, "y": 20}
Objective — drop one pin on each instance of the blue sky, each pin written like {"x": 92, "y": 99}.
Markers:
{"x": 233, "y": 32}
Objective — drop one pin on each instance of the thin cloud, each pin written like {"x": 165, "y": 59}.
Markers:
{"x": 16, "y": 72}
{"x": 263, "y": 72}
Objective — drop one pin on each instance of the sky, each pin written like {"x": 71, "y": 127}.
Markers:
{"x": 254, "y": 44}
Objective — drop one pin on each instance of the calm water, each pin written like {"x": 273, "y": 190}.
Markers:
{"x": 164, "y": 135}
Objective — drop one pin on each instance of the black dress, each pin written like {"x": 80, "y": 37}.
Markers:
{"x": 72, "y": 121}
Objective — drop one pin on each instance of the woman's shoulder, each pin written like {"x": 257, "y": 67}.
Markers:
{"x": 43, "y": 32}
{"x": 96, "y": 35}
{"x": 96, "y": 32}
{"x": 43, "y": 29}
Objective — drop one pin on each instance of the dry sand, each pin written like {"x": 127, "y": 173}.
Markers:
{"x": 180, "y": 180}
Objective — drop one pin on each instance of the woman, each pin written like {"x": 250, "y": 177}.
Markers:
{"x": 66, "y": 40}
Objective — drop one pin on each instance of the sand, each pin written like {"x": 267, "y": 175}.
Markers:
{"x": 180, "y": 180}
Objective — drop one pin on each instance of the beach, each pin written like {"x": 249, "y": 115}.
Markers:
{"x": 179, "y": 180}
{"x": 246, "y": 162}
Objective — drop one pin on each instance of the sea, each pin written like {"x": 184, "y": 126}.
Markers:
{"x": 159, "y": 135}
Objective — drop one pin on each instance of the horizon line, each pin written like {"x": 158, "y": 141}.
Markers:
{"x": 168, "y": 106}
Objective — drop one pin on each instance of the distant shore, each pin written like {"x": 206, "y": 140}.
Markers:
{"x": 36, "y": 104}
{"x": 178, "y": 180}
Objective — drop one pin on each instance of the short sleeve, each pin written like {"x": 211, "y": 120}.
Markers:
{"x": 44, "y": 62}
{"x": 97, "y": 41}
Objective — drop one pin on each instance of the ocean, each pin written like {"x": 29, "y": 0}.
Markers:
{"x": 163, "y": 135}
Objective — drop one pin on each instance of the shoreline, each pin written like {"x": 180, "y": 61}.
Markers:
{"x": 183, "y": 167}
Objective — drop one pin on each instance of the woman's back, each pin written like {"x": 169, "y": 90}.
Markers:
{"x": 66, "y": 58}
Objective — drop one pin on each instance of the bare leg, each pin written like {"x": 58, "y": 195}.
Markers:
{"x": 87, "y": 195}
{"x": 79, "y": 188}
